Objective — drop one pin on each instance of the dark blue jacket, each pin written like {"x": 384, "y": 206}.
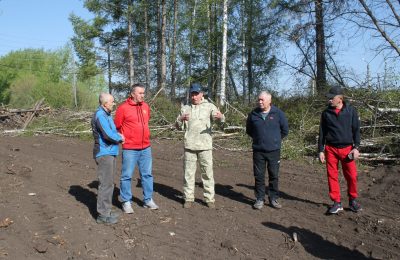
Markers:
{"x": 106, "y": 137}
{"x": 339, "y": 130}
{"x": 267, "y": 134}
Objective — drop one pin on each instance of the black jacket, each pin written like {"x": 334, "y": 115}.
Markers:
{"x": 267, "y": 134}
{"x": 339, "y": 130}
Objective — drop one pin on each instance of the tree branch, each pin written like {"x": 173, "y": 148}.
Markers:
{"x": 393, "y": 11}
{"x": 378, "y": 27}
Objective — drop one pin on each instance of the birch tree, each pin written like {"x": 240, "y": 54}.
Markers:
{"x": 146, "y": 43}
{"x": 224, "y": 52}
{"x": 173, "y": 50}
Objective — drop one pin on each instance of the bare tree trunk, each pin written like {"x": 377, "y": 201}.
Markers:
{"x": 163, "y": 45}
{"x": 191, "y": 40}
{"x": 173, "y": 55}
{"x": 243, "y": 72}
{"x": 109, "y": 68}
{"x": 250, "y": 50}
{"x": 216, "y": 51}
{"x": 146, "y": 44}
{"x": 74, "y": 90}
{"x": 158, "y": 45}
{"x": 224, "y": 54}
{"x": 209, "y": 49}
{"x": 130, "y": 53}
{"x": 232, "y": 81}
{"x": 320, "y": 46}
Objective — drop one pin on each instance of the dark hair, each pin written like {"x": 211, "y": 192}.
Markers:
{"x": 136, "y": 85}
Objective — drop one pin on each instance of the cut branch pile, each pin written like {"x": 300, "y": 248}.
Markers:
{"x": 19, "y": 119}
{"x": 380, "y": 132}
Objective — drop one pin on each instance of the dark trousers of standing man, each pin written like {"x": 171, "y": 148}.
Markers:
{"x": 106, "y": 169}
{"x": 260, "y": 160}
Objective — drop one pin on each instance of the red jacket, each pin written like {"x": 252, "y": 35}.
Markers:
{"x": 132, "y": 120}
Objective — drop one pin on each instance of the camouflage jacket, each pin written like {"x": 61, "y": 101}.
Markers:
{"x": 198, "y": 127}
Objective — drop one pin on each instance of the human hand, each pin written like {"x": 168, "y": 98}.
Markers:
{"x": 321, "y": 157}
{"x": 218, "y": 115}
{"x": 185, "y": 117}
{"x": 123, "y": 138}
{"x": 356, "y": 153}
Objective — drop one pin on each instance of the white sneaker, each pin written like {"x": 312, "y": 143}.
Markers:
{"x": 127, "y": 207}
{"x": 150, "y": 204}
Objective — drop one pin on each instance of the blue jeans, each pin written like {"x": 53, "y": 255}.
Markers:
{"x": 143, "y": 159}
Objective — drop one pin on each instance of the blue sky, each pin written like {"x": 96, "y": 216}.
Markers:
{"x": 44, "y": 24}
{"x": 37, "y": 23}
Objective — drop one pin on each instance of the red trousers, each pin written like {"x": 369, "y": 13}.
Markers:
{"x": 333, "y": 156}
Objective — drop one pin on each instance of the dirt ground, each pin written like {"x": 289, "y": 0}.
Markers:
{"x": 48, "y": 193}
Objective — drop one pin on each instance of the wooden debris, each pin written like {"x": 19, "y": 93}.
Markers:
{"x": 16, "y": 120}
{"x": 32, "y": 114}
{"x": 6, "y": 222}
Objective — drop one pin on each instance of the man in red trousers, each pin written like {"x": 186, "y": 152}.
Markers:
{"x": 339, "y": 141}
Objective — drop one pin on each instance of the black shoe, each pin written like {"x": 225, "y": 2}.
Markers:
{"x": 112, "y": 219}
{"x": 335, "y": 208}
{"x": 354, "y": 205}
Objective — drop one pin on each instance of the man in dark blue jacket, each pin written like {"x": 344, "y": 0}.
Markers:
{"x": 267, "y": 126}
{"x": 105, "y": 150}
{"x": 339, "y": 141}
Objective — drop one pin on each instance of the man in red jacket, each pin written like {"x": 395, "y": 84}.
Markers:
{"x": 132, "y": 121}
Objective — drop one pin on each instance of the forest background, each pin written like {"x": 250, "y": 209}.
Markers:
{"x": 234, "y": 49}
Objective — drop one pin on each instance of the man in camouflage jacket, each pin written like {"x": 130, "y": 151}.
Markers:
{"x": 196, "y": 119}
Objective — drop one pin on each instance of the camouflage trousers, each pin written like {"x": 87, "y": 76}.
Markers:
{"x": 206, "y": 170}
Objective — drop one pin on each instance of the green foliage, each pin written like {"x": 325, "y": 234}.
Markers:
{"x": 88, "y": 92}
{"x": 20, "y": 92}
{"x": 30, "y": 75}
{"x": 63, "y": 122}
{"x": 163, "y": 115}
{"x": 303, "y": 114}
{"x": 236, "y": 114}
{"x": 294, "y": 147}
{"x": 84, "y": 46}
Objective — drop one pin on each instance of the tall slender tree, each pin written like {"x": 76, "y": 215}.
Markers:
{"x": 173, "y": 50}
{"x": 224, "y": 53}
{"x": 163, "y": 46}
{"x": 320, "y": 45}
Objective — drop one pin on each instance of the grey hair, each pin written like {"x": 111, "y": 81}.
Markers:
{"x": 104, "y": 98}
{"x": 136, "y": 85}
{"x": 265, "y": 93}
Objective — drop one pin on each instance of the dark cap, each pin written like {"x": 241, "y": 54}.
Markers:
{"x": 195, "y": 87}
{"x": 334, "y": 91}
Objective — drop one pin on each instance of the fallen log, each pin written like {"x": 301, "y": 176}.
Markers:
{"x": 32, "y": 114}
{"x": 20, "y": 111}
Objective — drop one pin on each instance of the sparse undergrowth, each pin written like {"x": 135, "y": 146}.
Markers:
{"x": 303, "y": 113}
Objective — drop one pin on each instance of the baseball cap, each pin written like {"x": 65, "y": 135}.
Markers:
{"x": 334, "y": 91}
{"x": 195, "y": 87}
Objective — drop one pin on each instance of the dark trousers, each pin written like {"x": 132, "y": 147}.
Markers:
{"x": 106, "y": 169}
{"x": 260, "y": 160}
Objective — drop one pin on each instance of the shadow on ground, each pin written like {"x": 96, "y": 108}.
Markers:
{"x": 316, "y": 245}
